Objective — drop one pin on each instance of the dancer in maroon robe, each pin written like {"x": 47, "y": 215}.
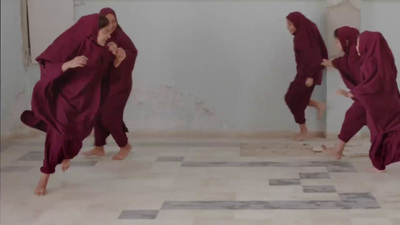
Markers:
{"x": 309, "y": 51}
{"x": 66, "y": 99}
{"x": 379, "y": 94}
{"x": 349, "y": 68}
{"x": 110, "y": 119}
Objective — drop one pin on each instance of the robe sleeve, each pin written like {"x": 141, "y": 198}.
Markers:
{"x": 340, "y": 64}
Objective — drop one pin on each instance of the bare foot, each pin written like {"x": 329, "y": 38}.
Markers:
{"x": 123, "y": 153}
{"x": 303, "y": 133}
{"x": 301, "y": 137}
{"x": 65, "y": 164}
{"x": 333, "y": 151}
{"x": 321, "y": 110}
{"x": 96, "y": 151}
{"x": 41, "y": 187}
{"x": 375, "y": 170}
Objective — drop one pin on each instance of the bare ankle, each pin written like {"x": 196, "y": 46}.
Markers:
{"x": 123, "y": 152}
{"x": 96, "y": 151}
{"x": 45, "y": 176}
{"x": 375, "y": 170}
{"x": 127, "y": 147}
{"x": 303, "y": 129}
{"x": 65, "y": 164}
{"x": 42, "y": 185}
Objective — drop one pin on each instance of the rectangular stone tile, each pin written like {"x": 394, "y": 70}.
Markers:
{"x": 341, "y": 169}
{"x": 362, "y": 213}
{"x": 38, "y": 156}
{"x": 32, "y": 156}
{"x": 314, "y": 175}
{"x": 254, "y": 215}
{"x": 138, "y": 214}
{"x": 395, "y": 221}
{"x": 29, "y": 144}
{"x": 276, "y": 145}
{"x": 371, "y": 221}
{"x": 356, "y": 196}
{"x": 185, "y": 144}
{"x": 319, "y": 189}
{"x": 273, "y": 149}
{"x": 234, "y": 222}
{"x": 16, "y": 168}
{"x": 169, "y": 159}
{"x": 5, "y": 146}
{"x": 392, "y": 213}
{"x": 360, "y": 200}
{"x": 293, "y": 193}
{"x": 83, "y": 163}
{"x": 149, "y": 144}
{"x": 319, "y": 163}
{"x": 332, "y": 166}
{"x": 284, "y": 182}
{"x": 259, "y": 205}
{"x": 194, "y": 214}
{"x": 332, "y": 221}
{"x": 349, "y": 201}
{"x": 234, "y": 164}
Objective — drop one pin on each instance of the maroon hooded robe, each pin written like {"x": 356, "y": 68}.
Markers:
{"x": 349, "y": 68}
{"x": 310, "y": 49}
{"x": 118, "y": 88}
{"x": 378, "y": 92}
{"x": 65, "y": 104}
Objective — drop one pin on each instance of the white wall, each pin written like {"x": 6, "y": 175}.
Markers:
{"x": 203, "y": 65}
{"x": 212, "y": 65}
{"x": 42, "y": 30}
{"x": 16, "y": 81}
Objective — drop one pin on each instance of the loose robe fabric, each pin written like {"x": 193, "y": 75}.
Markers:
{"x": 65, "y": 104}
{"x": 118, "y": 87}
{"x": 349, "y": 68}
{"x": 310, "y": 49}
{"x": 379, "y": 94}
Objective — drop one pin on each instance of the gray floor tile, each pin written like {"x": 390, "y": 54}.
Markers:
{"x": 314, "y": 175}
{"x": 364, "y": 201}
{"x": 5, "y": 146}
{"x": 332, "y": 166}
{"x": 185, "y": 144}
{"x": 395, "y": 221}
{"x": 138, "y": 214}
{"x": 169, "y": 159}
{"x": 32, "y": 156}
{"x": 319, "y": 189}
{"x": 16, "y": 168}
{"x": 361, "y": 200}
{"x": 284, "y": 182}
{"x": 83, "y": 163}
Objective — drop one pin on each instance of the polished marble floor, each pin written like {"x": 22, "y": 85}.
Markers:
{"x": 196, "y": 182}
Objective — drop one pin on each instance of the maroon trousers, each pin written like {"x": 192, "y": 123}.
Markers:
{"x": 57, "y": 149}
{"x": 355, "y": 119}
{"x": 385, "y": 149}
{"x": 110, "y": 121}
{"x": 297, "y": 99}
{"x": 29, "y": 119}
{"x": 103, "y": 129}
